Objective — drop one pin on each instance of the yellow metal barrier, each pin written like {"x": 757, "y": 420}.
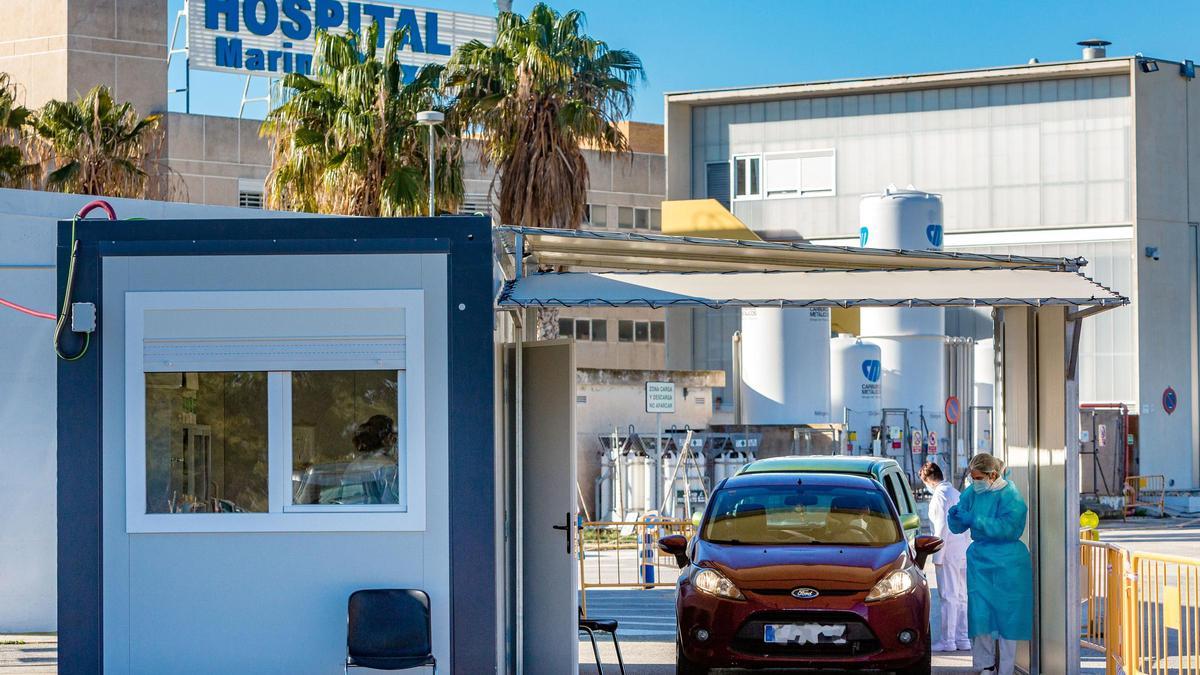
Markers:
{"x": 1163, "y": 595}
{"x": 1147, "y": 491}
{"x": 1141, "y": 610}
{"x": 624, "y": 554}
{"x": 1100, "y": 586}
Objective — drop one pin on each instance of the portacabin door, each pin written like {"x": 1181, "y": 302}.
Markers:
{"x": 549, "y": 568}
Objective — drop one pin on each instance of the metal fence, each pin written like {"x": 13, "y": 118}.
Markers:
{"x": 624, "y": 554}
{"x": 1145, "y": 491}
{"x": 1141, "y": 610}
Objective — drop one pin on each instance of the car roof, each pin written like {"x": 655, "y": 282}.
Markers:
{"x": 830, "y": 479}
{"x": 863, "y": 465}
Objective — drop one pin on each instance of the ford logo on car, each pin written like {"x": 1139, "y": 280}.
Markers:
{"x": 805, "y": 593}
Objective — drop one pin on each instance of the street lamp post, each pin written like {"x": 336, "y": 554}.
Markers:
{"x": 431, "y": 118}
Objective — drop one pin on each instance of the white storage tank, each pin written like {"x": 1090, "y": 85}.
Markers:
{"x": 785, "y": 365}
{"x": 855, "y": 393}
{"x": 911, "y": 340}
{"x": 985, "y": 396}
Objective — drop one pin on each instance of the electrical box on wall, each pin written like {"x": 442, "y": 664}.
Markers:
{"x": 83, "y": 317}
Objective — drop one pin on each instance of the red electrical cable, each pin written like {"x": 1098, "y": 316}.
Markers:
{"x": 88, "y": 208}
{"x": 26, "y": 310}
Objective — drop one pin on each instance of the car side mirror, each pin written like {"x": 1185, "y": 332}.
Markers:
{"x": 676, "y": 545}
{"x": 910, "y": 521}
{"x": 926, "y": 546}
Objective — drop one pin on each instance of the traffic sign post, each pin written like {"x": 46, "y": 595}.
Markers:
{"x": 952, "y": 410}
{"x": 1170, "y": 400}
{"x": 660, "y": 398}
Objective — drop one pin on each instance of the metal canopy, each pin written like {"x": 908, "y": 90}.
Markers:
{"x": 656, "y": 252}
{"x": 838, "y": 288}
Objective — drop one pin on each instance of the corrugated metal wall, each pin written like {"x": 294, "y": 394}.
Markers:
{"x": 1027, "y": 154}
{"x": 1107, "y": 348}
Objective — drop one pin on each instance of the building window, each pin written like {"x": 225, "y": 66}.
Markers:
{"x": 206, "y": 442}
{"x": 624, "y": 331}
{"x": 585, "y": 330}
{"x": 597, "y": 215}
{"x": 656, "y": 220}
{"x": 746, "y": 172}
{"x": 798, "y": 174}
{"x": 476, "y": 204}
{"x": 269, "y": 411}
{"x": 641, "y": 219}
{"x": 716, "y": 182}
{"x": 625, "y": 217}
{"x": 345, "y": 443}
{"x": 641, "y": 331}
{"x": 250, "y": 200}
{"x": 250, "y": 193}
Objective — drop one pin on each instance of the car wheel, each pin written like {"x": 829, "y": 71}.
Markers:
{"x": 921, "y": 667}
{"x": 683, "y": 666}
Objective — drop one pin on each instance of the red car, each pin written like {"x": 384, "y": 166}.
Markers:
{"x": 801, "y": 571}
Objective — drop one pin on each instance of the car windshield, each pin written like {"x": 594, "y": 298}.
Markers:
{"x": 801, "y": 514}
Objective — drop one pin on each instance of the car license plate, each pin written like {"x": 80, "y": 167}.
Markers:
{"x": 804, "y": 634}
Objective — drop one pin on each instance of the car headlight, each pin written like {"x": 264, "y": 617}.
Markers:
{"x": 712, "y": 582}
{"x": 898, "y": 582}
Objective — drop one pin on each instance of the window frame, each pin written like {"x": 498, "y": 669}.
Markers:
{"x": 410, "y": 515}
{"x": 604, "y": 324}
{"x": 623, "y": 323}
{"x": 734, "y": 177}
{"x": 800, "y": 193}
{"x": 593, "y": 210}
{"x": 632, "y": 217}
{"x": 663, "y": 326}
{"x": 289, "y": 454}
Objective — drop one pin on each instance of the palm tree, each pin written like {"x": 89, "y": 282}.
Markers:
{"x": 97, "y": 146}
{"x": 347, "y": 141}
{"x": 15, "y": 170}
{"x": 543, "y": 90}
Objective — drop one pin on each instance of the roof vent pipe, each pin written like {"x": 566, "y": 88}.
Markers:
{"x": 1094, "y": 48}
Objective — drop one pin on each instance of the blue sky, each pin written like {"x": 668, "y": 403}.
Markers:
{"x": 708, "y": 44}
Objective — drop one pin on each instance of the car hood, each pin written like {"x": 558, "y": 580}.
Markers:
{"x": 824, "y": 566}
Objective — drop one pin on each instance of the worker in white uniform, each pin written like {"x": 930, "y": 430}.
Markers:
{"x": 949, "y": 564}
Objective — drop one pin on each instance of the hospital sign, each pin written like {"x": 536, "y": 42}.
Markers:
{"x": 271, "y": 38}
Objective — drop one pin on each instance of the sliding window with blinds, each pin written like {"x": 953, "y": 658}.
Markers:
{"x": 796, "y": 174}
{"x": 274, "y": 411}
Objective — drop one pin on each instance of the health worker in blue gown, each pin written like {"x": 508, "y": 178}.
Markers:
{"x": 999, "y": 568}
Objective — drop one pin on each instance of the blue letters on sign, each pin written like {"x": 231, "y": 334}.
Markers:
{"x": 298, "y": 20}
{"x": 934, "y": 234}
{"x": 268, "y": 23}
{"x": 214, "y": 9}
{"x": 298, "y": 25}
{"x": 330, "y": 14}
{"x": 863, "y": 233}
{"x": 408, "y": 19}
{"x": 432, "y": 46}
{"x": 871, "y": 370}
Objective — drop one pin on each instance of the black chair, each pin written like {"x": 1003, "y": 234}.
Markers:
{"x": 388, "y": 629}
{"x": 593, "y": 626}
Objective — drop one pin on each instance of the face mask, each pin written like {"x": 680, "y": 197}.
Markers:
{"x": 981, "y": 484}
